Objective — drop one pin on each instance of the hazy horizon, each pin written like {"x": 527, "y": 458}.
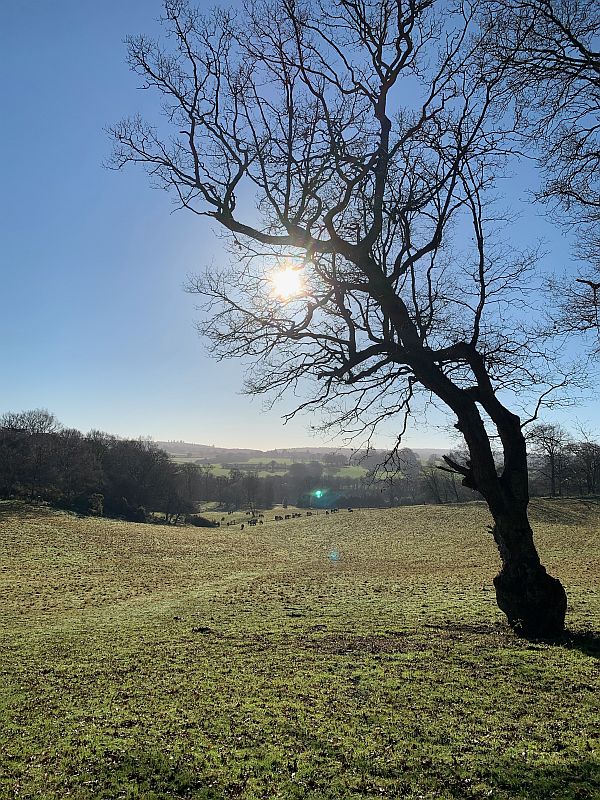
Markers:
{"x": 228, "y": 439}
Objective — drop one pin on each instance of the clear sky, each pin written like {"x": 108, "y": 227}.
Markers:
{"x": 94, "y": 323}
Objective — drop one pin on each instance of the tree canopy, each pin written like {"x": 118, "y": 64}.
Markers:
{"x": 350, "y": 151}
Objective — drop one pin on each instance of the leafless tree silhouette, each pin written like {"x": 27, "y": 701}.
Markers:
{"x": 548, "y": 50}
{"x": 552, "y": 442}
{"x": 355, "y": 144}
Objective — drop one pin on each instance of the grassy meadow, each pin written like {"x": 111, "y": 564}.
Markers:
{"x": 257, "y": 466}
{"x": 343, "y": 656}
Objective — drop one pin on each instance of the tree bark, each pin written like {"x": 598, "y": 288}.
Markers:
{"x": 534, "y": 602}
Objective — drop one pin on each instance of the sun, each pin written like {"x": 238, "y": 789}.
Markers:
{"x": 287, "y": 282}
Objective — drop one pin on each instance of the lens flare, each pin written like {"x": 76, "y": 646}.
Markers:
{"x": 287, "y": 283}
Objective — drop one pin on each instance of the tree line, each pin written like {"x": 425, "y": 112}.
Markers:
{"x": 95, "y": 473}
{"x": 133, "y": 479}
{"x": 562, "y": 464}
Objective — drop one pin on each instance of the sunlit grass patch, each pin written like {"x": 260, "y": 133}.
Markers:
{"x": 148, "y": 661}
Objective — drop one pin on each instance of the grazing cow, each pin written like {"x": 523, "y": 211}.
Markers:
{"x": 278, "y": 519}
{"x": 309, "y": 513}
{"x": 288, "y": 516}
{"x": 351, "y": 510}
{"x": 242, "y": 526}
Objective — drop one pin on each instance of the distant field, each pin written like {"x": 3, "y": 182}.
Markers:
{"x": 335, "y": 656}
{"x": 283, "y": 461}
{"x": 217, "y": 469}
{"x": 351, "y": 471}
{"x": 181, "y": 459}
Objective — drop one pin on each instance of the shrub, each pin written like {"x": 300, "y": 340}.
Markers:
{"x": 200, "y": 522}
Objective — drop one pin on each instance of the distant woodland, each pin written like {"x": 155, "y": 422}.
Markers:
{"x": 134, "y": 479}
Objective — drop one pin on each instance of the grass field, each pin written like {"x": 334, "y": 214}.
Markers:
{"x": 344, "y": 656}
{"x": 252, "y": 466}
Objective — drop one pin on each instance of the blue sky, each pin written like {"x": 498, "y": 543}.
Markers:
{"x": 94, "y": 324}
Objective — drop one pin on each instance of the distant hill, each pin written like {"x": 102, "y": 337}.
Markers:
{"x": 205, "y": 451}
{"x": 232, "y": 455}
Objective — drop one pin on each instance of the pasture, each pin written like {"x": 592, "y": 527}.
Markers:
{"x": 261, "y": 469}
{"x": 344, "y": 656}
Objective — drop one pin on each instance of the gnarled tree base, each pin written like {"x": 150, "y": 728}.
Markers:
{"x": 534, "y": 602}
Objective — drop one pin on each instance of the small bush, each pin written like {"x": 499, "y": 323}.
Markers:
{"x": 96, "y": 504}
{"x": 200, "y": 522}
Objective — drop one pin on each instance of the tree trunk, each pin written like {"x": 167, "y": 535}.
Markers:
{"x": 534, "y": 602}
{"x": 552, "y": 475}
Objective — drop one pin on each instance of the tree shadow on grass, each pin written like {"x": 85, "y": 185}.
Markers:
{"x": 586, "y": 642}
{"x": 576, "y": 780}
{"x": 154, "y": 775}
{"x": 477, "y": 780}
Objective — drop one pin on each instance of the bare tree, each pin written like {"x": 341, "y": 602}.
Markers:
{"x": 441, "y": 483}
{"x": 552, "y": 443}
{"x": 586, "y": 462}
{"x": 401, "y": 473}
{"x": 33, "y": 422}
{"x": 348, "y": 148}
{"x": 548, "y": 50}
{"x": 30, "y": 436}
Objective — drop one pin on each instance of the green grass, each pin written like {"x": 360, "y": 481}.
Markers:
{"x": 218, "y": 469}
{"x": 349, "y": 471}
{"x": 142, "y": 661}
{"x": 179, "y": 458}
